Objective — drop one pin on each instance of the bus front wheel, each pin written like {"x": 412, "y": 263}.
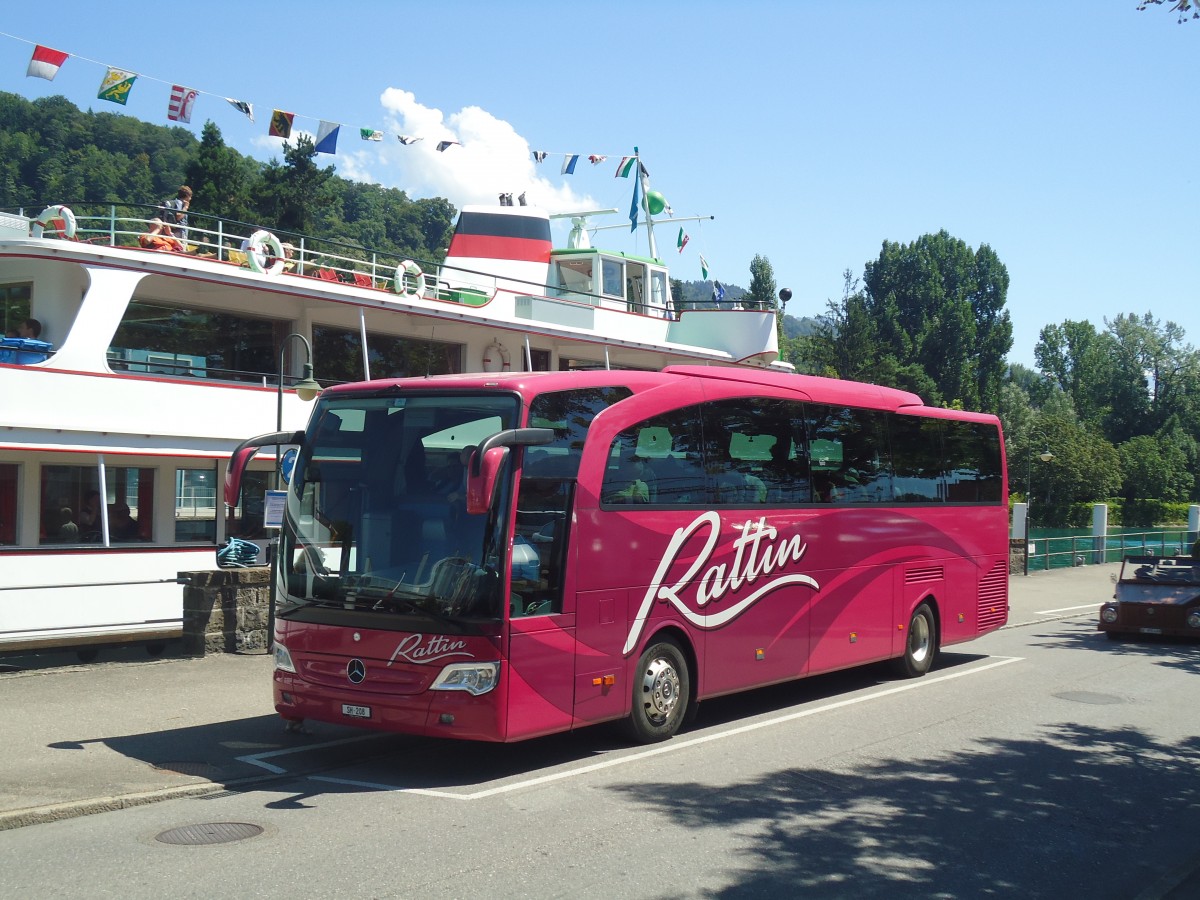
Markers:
{"x": 920, "y": 649}
{"x": 662, "y": 693}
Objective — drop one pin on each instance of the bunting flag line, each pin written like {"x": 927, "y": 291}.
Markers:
{"x": 569, "y": 164}
{"x": 703, "y": 268}
{"x": 683, "y": 239}
{"x": 595, "y": 160}
{"x": 539, "y": 156}
{"x": 45, "y": 63}
{"x": 406, "y": 140}
{"x": 180, "y": 107}
{"x": 246, "y": 109}
{"x": 625, "y": 167}
{"x": 370, "y": 134}
{"x": 281, "y": 124}
{"x": 116, "y": 86}
{"x": 442, "y": 145}
{"x": 327, "y": 135}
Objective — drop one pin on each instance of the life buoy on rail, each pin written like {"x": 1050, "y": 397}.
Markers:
{"x": 60, "y": 218}
{"x": 409, "y": 280}
{"x": 495, "y": 358}
{"x": 263, "y": 246}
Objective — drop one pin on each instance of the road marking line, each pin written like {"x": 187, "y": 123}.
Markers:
{"x": 1047, "y": 612}
{"x": 675, "y": 745}
{"x": 256, "y": 759}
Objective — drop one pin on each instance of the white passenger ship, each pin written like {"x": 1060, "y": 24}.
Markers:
{"x": 151, "y": 366}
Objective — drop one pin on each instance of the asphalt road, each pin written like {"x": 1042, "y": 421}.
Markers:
{"x": 1040, "y": 761}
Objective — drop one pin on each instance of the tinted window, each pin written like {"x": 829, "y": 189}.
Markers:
{"x": 917, "y": 459}
{"x": 754, "y": 452}
{"x": 972, "y": 463}
{"x": 850, "y": 459}
{"x": 665, "y": 454}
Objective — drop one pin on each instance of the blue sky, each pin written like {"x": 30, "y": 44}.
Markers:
{"x": 1062, "y": 134}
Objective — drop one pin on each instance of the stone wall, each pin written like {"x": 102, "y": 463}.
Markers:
{"x": 226, "y": 611}
{"x": 1017, "y": 548}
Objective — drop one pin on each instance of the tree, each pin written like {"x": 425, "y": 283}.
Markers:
{"x": 939, "y": 308}
{"x": 762, "y": 293}
{"x": 220, "y": 178}
{"x": 297, "y": 195}
{"x": 1183, "y": 7}
{"x": 1154, "y": 468}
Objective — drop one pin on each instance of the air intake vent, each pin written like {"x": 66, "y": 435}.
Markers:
{"x": 924, "y": 575}
{"x": 993, "y": 598}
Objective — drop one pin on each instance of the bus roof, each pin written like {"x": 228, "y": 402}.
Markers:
{"x": 805, "y": 387}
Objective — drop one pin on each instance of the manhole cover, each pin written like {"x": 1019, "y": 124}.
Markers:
{"x": 199, "y": 769}
{"x": 1089, "y": 697}
{"x": 209, "y": 833}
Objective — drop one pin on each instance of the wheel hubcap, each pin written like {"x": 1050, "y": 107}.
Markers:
{"x": 660, "y": 690}
{"x": 918, "y": 639}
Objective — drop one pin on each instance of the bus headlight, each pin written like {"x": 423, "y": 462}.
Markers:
{"x": 474, "y": 678}
{"x": 1108, "y": 613}
{"x": 1193, "y": 618}
{"x": 283, "y": 659}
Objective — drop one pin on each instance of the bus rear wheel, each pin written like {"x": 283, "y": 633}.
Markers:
{"x": 920, "y": 650}
{"x": 662, "y": 693}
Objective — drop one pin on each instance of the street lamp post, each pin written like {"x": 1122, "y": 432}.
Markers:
{"x": 307, "y": 390}
{"x": 1045, "y": 456}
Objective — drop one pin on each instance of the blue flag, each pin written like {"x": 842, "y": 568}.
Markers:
{"x": 327, "y": 135}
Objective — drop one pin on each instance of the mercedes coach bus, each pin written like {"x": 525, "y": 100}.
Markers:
{"x": 500, "y": 556}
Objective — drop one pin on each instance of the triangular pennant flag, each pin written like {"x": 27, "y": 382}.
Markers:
{"x": 703, "y": 267}
{"x": 327, "y": 135}
{"x": 45, "y": 63}
{"x": 180, "y": 107}
{"x": 539, "y": 156}
{"x": 683, "y": 239}
{"x": 625, "y": 167}
{"x": 246, "y": 109}
{"x": 569, "y": 164}
{"x": 116, "y": 86}
{"x": 281, "y": 124}
{"x": 442, "y": 145}
{"x": 370, "y": 134}
{"x": 406, "y": 140}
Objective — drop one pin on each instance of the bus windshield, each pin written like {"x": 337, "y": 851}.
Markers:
{"x": 376, "y": 516}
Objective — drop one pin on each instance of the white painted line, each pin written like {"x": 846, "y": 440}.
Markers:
{"x": 256, "y": 759}
{"x": 1049, "y": 612}
{"x": 677, "y": 745}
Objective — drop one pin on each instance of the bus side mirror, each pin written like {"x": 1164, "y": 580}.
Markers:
{"x": 483, "y": 469}
{"x": 481, "y": 485}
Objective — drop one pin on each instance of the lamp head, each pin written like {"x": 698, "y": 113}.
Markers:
{"x": 1045, "y": 456}
{"x": 307, "y": 388}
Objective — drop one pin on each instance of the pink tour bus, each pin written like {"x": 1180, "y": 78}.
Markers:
{"x": 497, "y": 557}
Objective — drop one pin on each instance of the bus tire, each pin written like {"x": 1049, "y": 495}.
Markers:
{"x": 920, "y": 647}
{"x": 662, "y": 693}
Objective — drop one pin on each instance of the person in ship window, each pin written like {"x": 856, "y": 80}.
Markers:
{"x": 122, "y": 526}
{"x": 159, "y": 237}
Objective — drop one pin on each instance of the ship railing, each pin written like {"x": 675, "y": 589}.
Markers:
{"x": 213, "y": 237}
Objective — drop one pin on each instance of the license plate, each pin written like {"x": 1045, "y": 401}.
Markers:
{"x": 1150, "y": 630}
{"x": 356, "y": 712}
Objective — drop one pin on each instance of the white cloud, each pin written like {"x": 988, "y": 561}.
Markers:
{"x": 491, "y": 158}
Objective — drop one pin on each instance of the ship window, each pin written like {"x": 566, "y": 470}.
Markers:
{"x": 337, "y": 356}
{"x": 612, "y": 277}
{"x": 72, "y": 508}
{"x": 157, "y": 339}
{"x": 8, "y": 503}
{"x": 196, "y": 505}
{"x": 14, "y": 301}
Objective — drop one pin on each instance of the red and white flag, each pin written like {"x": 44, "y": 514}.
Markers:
{"x": 180, "y": 107}
{"x": 45, "y": 63}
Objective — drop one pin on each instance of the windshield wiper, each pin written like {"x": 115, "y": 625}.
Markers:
{"x": 409, "y": 600}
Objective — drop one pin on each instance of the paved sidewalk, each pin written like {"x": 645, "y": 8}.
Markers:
{"x": 80, "y": 739}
